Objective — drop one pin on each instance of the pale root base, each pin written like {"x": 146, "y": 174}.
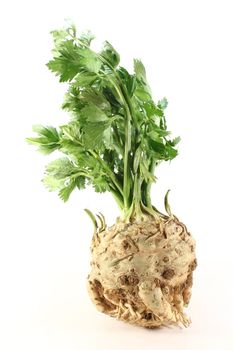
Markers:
{"x": 142, "y": 272}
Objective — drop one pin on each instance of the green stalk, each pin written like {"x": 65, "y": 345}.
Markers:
{"x": 149, "y": 184}
{"x": 108, "y": 170}
{"x": 126, "y": 182}
{"x": 117, "y": 198}
{"x": 105, "y": 166}
{"x": 118, "y": 139}
{"x": 137, "y": 196}
{"x": 128, "y": 110}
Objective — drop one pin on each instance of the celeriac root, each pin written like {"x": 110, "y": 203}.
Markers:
{"x": 142, "y": 272}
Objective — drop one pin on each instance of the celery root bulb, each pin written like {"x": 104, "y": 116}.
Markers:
{"x": 141, "y": 269}
{"x": 141, "y": 272}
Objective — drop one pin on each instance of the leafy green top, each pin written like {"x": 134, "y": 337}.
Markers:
{"x": 116, "y": 135}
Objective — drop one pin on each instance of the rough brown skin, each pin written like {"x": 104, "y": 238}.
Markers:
{"x": 141, "y": 272}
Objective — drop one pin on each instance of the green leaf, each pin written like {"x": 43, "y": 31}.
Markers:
{"x": 150, "y": 108}
{"x": 76, "y": 152}
{"x": 156, "y": 132}
{"x": 90, "y": 60}
{"x": 63, "y": 175}
{"x": 61, "y": 168}
{"x": 49, "y": 132}
{"x": 66, "y": 63}
{"x": 72, "y": 59}
{"x": 52, "y": 183}
{"x": 92, "y": 113}
{"x": 47, "y": 140}
{"x": 175, "y": 141}
{"x": 140, "y": 71}
{"x": 94, "y": 134}
{"x": 108, "y": 138}
{"x": 171, "y": 152}
{"x": 59, "y": 36}
{"x": 95, "y": 99}
{"x": 162, "y": 104}
{"x": 142, "y": 94}
{"x": 144, "y": 171}
{"x": 100, "y": 184}
{"x": 111, "y": 98}
{"x": 70, "y": 131}
{"x": 158, "y": 148}
{"x": 110, "y": 54}
{"x": 80, "y": 182}
{"x": 128, "y": 80}
{"x": 155, "y": 136}
{"x": 85, "y": 79}
{"x": 86, "y": 38}
{"x": 66, "y": 191}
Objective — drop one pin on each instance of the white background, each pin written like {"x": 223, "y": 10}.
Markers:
{"x": 44, "y": 243}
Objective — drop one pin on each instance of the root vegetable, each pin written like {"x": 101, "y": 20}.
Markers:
{"x": 142, "y": 266}
{"x": 143, "y": 278}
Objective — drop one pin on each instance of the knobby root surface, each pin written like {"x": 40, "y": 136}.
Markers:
{"x": 141, "y": 272}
